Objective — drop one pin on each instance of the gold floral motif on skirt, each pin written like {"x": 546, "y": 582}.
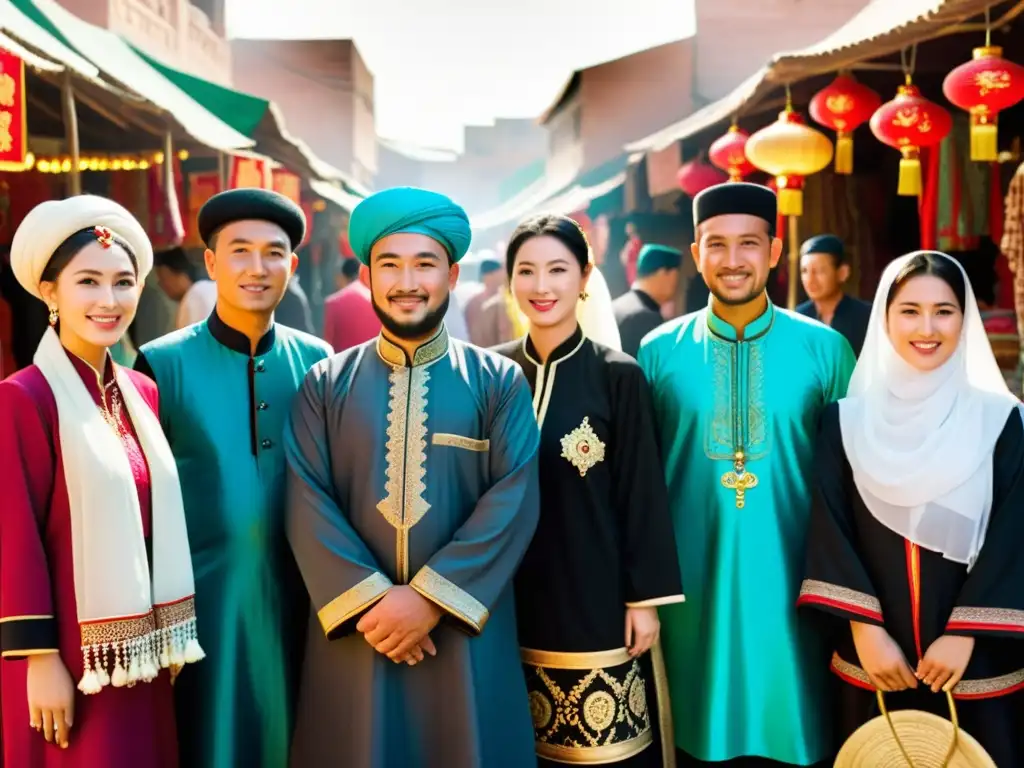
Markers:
{"x": 581, "y": 713}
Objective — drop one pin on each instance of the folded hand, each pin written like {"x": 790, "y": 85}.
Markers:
{"x": 399, "y": 625}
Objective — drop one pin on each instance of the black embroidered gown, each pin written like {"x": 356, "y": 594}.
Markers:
{"x": 604, "y": 542}
{"x": 860, "y": 570}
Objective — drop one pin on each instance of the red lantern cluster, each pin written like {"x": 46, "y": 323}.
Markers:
{"x": 907, "y": 123}
{"x": 985, "y": 86}
{"x": 843, "y": 106}
{"x": 695, "y": 176}
{"x": 728, "y": 153}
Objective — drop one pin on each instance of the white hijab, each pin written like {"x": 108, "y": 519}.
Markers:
{"x": 920, "y": 444}
{"x": 595, "y": 314}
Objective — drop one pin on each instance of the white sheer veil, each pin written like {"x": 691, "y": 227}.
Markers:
{"x": 595, "y": 314}
{"x": 920, "y": 444}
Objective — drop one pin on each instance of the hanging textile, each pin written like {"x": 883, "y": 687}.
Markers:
{"x": 963, "y": 189}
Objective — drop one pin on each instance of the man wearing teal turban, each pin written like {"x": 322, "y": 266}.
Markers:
{"x": 413, "y": 498}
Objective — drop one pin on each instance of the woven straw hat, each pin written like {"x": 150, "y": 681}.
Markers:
{"x": 925, "y": 737}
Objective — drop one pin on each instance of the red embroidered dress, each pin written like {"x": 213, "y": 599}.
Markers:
{"x": 118, "y": 727}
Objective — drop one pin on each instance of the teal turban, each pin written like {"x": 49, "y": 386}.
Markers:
{"x": 409, "y": 210}
{"x": 654, "y": 257}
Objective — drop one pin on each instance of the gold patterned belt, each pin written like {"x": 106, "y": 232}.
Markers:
{"x": 587, "y": 708}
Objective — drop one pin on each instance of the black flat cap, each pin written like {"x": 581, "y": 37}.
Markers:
{"x": 251, "y": 203}
{"x": 829, "y": 244}
{"x": 736, "y": 197}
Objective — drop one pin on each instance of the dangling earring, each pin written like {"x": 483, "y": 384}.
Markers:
{"x": 584, "y": 295}
{"x": 53, "y": 315}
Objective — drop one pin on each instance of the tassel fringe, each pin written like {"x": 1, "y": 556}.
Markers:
{"x": 139, "y": 659}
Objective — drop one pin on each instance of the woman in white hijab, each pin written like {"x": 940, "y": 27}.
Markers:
{"x": 96, "y": 588}
{"x": 917, "y": 527}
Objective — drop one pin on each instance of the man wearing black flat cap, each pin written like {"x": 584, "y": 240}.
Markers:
{"x": 824, "y": 271}
{"x": 738, "y": 388}
{"x": 226, "y": 385}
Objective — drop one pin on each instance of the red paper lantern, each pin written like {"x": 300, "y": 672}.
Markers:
{"x": 843, "y": 106}
{"x": 694, "y": 177}
{"x": 909, "y": 122}
{"x": 985, "y": 86}
{"x": 727, "y": 153}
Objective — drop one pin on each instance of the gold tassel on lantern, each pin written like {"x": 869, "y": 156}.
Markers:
{"x": 910, "y": 173}
{"x": 984, "y": 138}
{"x": 844, "y": 153}
{"x": 791, "y": 195}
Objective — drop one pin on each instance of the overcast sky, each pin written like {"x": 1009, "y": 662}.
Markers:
{"x": 441, "y": 64}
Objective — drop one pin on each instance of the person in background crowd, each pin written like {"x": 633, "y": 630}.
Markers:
{"x": 738, "y": 388}
{"x": 294, "y": 310}
{"x": 920, "y": 471}
{"x": 638, "y": 311}
{"x": 824, "y": 272}
{"x": 348, "y": 273}
{"x": 485, "y": 313}
{"x": 412, "y": 498}
{"x": 226, "y": 386}
{"x": 585, "y": 631}
{"x": 177, "y": 277}
{"x": 631, "y": 252}
{"x": 96, "y": 585}
{"x": 349, "y": 319}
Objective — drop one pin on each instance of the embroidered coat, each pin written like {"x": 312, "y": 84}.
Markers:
{"x": 118, "y": 727}
{"x": 604, "y": 543}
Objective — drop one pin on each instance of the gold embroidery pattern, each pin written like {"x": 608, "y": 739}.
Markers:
{"x": 451, "y": 597}
{"x": 588, "y": 715}
{"x": 170, "y": 614}
{"x": 720, "y": 434}
{"x": 983, "y": 686}
{"x": 812, "y": 588}
{"x": 458, "y": 441}
{"x": 996, "y": 617}
{"x": 757, "y": 422}
{"x": 739, "y": 415}
{"x": 352, "y": 602}
{"x": 394, "y": 355}
{"x": 118, "y": 630}
{"x": 406, "y": 458}
{"x": 582, "y": 447}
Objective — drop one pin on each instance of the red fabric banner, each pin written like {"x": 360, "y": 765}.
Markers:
{"x": 13, "y": 114}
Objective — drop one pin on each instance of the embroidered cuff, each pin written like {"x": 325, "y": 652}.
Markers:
{"x": 351, "y": 604}
{"x": 967, "y": 620}
{"x": 656, "y": 602}
{"x": 22, "y": 636}
{"x": 451, "y": 598}
{"x": 840, "y": 600}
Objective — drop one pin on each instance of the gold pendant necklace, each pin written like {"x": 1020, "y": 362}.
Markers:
{"x": 739, "y": 480}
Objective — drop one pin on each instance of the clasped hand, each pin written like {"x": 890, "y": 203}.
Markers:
{"x": 941, "y": 668}
{"x": 399, "y": 625}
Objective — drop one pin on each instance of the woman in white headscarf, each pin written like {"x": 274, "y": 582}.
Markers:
{"x": 917, "y": 529}
{"x": 96, "y": 588}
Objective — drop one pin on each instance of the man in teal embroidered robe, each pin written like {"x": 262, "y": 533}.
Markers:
{"x": 225, "y": 394}
{"x": 738, "y": 388}
{"x": 413, "y": 496}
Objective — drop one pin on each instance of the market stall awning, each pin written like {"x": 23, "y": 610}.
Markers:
{"x": 256, "y": 118}
{"x": 882, "y": 27}
{"x": 53, "y": 54}
{"x": 118, "y": 62}
{"x": 335, "y": 194}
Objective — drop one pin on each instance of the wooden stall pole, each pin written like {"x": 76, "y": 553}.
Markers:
{"x": 794, "y": 260}
{"x": 168, "y": 164}
{"x": 71, "y": 134}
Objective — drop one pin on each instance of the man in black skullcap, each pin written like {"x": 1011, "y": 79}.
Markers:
{"x": 226, "y": 386}
{"x": 824, "y": 271}
{"x": 738, "y": 388}
{"x": 638, "y": 310}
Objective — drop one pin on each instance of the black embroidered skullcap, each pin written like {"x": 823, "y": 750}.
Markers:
{"x": 736, "y": 197}
{"x": 829, "y": 244}
{"x": 245, "y": 204}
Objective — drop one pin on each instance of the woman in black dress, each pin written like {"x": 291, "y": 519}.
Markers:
{"x": 918, "y": 523}
{"x": 604, "y": 556}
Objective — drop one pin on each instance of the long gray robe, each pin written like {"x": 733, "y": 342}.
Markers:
{"x": 422, "y": 474}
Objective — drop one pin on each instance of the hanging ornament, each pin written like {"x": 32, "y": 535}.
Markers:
{"x": 985, "y": 86}
{"x": 842, "y": 106}
{"x": 727, "y": 153}
{"x": 789, "y": 151}
{"x": 907, "y": 123}
{"x": 696, "y": 176}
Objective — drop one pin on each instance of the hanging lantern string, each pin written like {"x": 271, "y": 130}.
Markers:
{"x": 789, "y": 99}
{"x": 988, "y": 26}
{"x": 908, "y": 62}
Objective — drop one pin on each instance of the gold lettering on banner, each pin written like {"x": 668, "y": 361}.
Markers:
{"x": 8, "y": 89}
{"x": 6, "y": 139}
